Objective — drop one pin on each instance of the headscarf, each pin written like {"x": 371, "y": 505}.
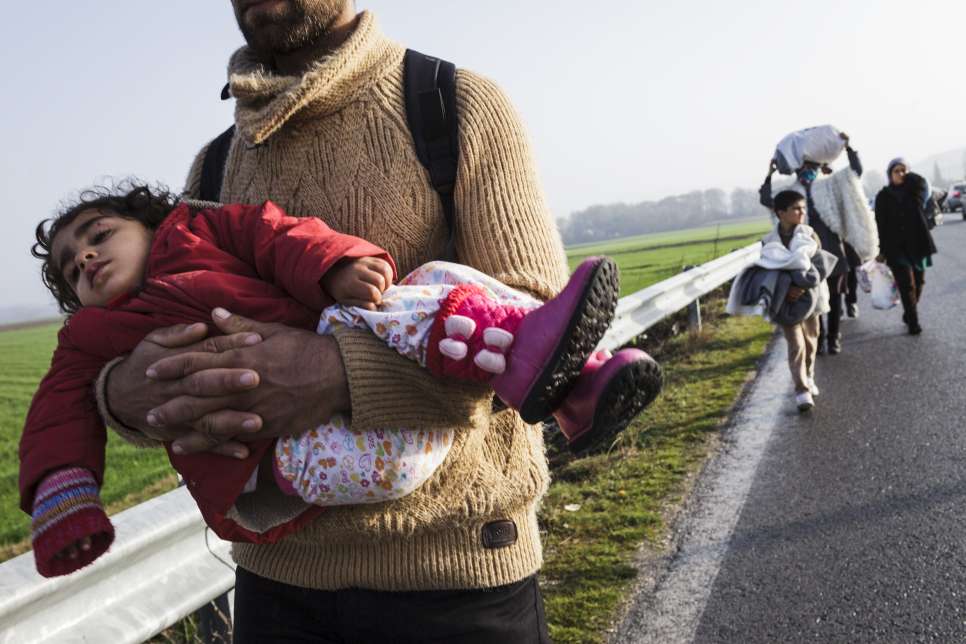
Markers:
{"x": 894, "y": 163}
{"x": 918, "y": 182}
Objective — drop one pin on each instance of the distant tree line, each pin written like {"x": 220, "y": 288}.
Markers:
{"x": 690, "y": 210}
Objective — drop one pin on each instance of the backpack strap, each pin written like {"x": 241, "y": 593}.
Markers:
{"x": 213, "y": 166}
{"x": 429, "y": 85}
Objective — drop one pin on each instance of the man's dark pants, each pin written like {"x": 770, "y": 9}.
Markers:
{"x": 830, "y": 335}
{"x": 852, "y": 288}
{"x": 267, "y": 611}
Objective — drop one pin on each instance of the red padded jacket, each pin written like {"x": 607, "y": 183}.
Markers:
{"x": 252, "y": 260}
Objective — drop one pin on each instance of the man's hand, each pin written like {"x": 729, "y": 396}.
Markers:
{"x": 300, "y": 383}
{"x": 358, "y": 282}
{"x": 131, "y": 392}
{"x": 794, "y": 293}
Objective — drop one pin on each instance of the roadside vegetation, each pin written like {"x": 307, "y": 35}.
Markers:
{"x": 601, "y": 510}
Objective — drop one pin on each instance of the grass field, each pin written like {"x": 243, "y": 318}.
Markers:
{"x": 599, "y": 509}
{"x": 132, "y": 474}
{"x": 648, "y": 259}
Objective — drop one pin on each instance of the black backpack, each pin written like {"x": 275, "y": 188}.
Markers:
{"x": 429, "y": 86}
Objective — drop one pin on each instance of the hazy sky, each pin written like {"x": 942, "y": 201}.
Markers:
{"x": 637, "y": 102}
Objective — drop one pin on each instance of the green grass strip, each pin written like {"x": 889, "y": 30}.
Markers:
{"x": 601, "y": 509}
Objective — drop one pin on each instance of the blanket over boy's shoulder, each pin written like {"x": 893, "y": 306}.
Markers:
{"x": 762, "y": 288}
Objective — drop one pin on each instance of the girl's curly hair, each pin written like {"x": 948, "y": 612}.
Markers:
{"x": 129, "y": 198}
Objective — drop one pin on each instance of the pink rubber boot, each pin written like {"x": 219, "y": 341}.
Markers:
{"x": 610, "y": 392}
{"x": 531, "y": 358}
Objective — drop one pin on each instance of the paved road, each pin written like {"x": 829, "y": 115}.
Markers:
{"x": 847, "y": 524}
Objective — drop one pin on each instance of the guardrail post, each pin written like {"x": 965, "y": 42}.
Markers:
{"x": 694, "y": 316}
{"x": 214, "y": 621}
{"x": 694, "y": 310}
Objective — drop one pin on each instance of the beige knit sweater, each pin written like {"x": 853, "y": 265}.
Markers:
{"x": 334, "y": 143}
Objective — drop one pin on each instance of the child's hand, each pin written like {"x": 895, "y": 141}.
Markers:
{"x": 358, "y": 282}
{"x": 73, "y": 550}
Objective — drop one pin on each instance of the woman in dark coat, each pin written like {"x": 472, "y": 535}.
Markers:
{"x": 904, "y": 240}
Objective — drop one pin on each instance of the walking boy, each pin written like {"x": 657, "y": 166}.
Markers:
{"x": 802, "y": 337}
{"x": 788, "y": 286}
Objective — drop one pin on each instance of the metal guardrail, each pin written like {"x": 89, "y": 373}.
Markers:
{"x": 158, "y": 570}
{"x": 639, "y": 311}
{"x": 161, "y": 569}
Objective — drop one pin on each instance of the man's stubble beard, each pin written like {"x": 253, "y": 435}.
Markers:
{"x": 306, "y": 22}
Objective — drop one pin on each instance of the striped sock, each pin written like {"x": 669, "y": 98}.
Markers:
{"x": 67, "y": 508}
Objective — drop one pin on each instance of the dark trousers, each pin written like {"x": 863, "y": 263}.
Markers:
{"x": 852, "y": 278}
{"x": 830, "y": 323}
{"x": 909, "y": 283}
{"x": 851, "y": 288}
{"x": 267, "y": 611}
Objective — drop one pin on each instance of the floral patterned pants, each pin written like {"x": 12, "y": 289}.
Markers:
{"x": 336, "y": 465}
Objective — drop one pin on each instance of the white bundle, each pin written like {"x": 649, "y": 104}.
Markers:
{"x": 821, "y": 144}
{"x": 842, "y": 205}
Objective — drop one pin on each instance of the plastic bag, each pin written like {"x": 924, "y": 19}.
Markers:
{"x": 885, "y": 295}
{"x": 821, "y": 144}
{"x": 862, "y": 276}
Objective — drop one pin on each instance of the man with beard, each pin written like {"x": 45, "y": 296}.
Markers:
{"x": 321, "y": 130}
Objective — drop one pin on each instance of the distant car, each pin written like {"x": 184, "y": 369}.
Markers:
{"x": 954, "y": 200}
